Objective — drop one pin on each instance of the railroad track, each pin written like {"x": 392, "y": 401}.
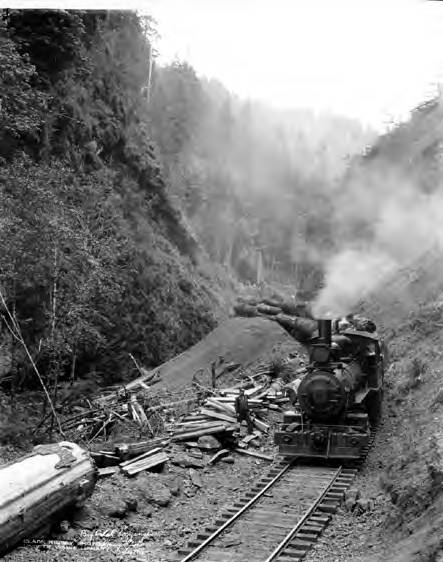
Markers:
{"x": 279, "y": 519}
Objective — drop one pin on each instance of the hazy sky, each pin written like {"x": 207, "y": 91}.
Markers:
{"x": 373, "y": 60}
{"x": 370, "y": 59}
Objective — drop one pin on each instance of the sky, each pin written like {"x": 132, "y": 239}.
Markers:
{"x": 373, "y": 60}
{"x": 370, "y": 60}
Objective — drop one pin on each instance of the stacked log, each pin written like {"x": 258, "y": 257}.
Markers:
{"x": 296, "y": 318}
{"x": 217, "y": 415}
{"x": 37, "y": 487}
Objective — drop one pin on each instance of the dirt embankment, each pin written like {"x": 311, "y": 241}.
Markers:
{"x": 246, "y": 341}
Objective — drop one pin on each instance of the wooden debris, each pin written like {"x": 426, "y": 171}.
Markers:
{"x": 219, "y": 455}
{"x": 128, "y": 450}
{"x": 244, "y": 442}
{"x": 181, "y": 428}
{"x": 254, "y": 454}
{"x": 140, "y": 457}
{"x": 262, "y": 426}
{"x": 144, "y": 464}
{"x": 216, "y": 415}
{"x": 208, "y": 431}
{"x": 102, "y": 472}
{"x": 220, "y": 406}
{"x": 104, "y": 459}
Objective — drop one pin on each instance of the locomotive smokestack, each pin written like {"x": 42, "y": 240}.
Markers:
{"x": 325, "y": 331}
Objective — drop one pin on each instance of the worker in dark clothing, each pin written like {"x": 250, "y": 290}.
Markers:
{"x": 242, "y": 410}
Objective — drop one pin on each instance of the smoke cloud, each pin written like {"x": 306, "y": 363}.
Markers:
{"x": 386, "y": 222}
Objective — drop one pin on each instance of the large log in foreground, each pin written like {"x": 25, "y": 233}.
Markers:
{"x": 40, "y": 486}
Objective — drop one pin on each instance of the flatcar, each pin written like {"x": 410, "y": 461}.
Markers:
{"x": 339, "y": 398}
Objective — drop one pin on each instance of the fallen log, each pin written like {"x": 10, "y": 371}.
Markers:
{"x": 245, "y": 310}
{"x": 128, "y": 450}
{"x": 221, "y": 406}
{"x": 192, "y": 434}
{"x": 35, "y": 488}
{"x": 269, "y": 310}
{"x": 253, "y": 454}
{"x": 302, "y": 329}
{"x": 200, "y": 426}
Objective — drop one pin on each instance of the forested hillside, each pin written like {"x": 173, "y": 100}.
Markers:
{"x": 128, "y": 198}
{"x": 96, "y": 260}
{"x": 256, "y": 184}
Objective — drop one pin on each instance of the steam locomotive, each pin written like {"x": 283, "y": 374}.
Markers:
{"x": 339, "y": 398}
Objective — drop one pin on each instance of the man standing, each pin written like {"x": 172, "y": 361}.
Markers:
{"x": 242, "y": 410}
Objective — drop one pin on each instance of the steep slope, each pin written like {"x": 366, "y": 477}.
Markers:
{"x": 97, "y": 261}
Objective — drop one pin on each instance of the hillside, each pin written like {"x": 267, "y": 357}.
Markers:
{"x": 97, "y": 261}
{"x": 255, "y": 183}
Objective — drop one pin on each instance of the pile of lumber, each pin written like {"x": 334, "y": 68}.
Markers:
{"x": 217, "y": 415}
{"x": 131, "y": 458}
{"x": 295, "y": 318}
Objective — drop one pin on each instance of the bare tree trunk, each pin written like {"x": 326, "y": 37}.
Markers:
{"x": 16, "y": 333}
{"x": 74, "y": 359}
{"x": 54, "y": 362}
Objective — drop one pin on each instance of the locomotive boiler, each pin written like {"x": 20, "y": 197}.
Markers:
{"x": 339, "y": 398}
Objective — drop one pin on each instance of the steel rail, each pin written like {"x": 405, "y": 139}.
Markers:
{"x": 278, "y": 550}
{"x": 229, "y": 522}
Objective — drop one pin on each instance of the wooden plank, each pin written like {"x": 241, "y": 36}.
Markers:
{"x": 140, "y": 457}
{"x": 102, "y": 472}
{"x": 218, "y": 416}
{"x": 150, "y": 463}
{"x": 254, "y": 454}
{"x": 262, "y": 426}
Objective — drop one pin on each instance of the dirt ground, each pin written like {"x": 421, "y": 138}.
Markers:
{"x": 152, "y": 515}
{"x": 149, "y": 517}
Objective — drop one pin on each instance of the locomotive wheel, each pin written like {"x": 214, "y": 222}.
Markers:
{"x": 374, "y": 407}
